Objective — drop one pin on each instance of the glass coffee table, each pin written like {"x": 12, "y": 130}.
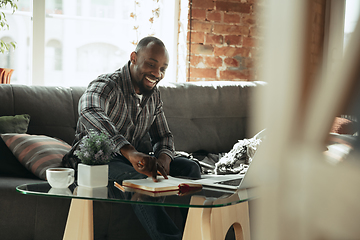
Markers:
{"x": 211, "y": 211}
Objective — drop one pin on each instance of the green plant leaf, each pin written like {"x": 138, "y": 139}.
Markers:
{"x": 4, "y": 47}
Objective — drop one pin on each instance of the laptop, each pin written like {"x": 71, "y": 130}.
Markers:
{"x": 232, "y": 182}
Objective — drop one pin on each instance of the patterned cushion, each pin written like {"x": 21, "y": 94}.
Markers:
{"x": 36, "y": 152}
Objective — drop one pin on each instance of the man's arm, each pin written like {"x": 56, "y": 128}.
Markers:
{"x": 161, "y": 136}
{"x": 162, "y": 139}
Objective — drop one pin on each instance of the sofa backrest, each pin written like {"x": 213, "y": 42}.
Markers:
{"x": 208, "y": 116}
{"x": 52, "y": 110}
{"x": 203, "y": 116}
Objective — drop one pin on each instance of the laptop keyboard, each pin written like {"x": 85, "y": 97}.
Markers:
{"x": 234, "y": 182}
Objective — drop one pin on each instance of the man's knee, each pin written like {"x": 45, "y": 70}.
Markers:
{"x": 186, "y": 167}
{"x": 195, "y": 170}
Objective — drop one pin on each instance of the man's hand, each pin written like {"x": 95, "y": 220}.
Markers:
{"x": 145, "y": 164}
{"x": 164, "y": 164}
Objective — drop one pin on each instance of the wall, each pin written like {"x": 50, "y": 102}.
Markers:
{"x": 223, "y": 39}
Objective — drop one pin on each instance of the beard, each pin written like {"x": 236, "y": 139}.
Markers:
{"x": 144, "y": 90}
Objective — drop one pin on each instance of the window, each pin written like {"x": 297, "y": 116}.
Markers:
{"x": 7, "y": 59}
{"x": 19, "y": 31}
{"x": 77, "y": 40}
{"x": 53, "y": 56}
{"x": 352, "y": 11}
{"x": 340, "y": 21}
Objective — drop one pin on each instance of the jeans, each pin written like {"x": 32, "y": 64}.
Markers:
{"x": 154, "y": 219}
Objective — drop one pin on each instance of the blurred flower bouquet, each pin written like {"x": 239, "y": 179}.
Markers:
{"x": 95, "y": 149}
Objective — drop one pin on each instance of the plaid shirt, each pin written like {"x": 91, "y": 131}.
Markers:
{"x": 110, "y": 105}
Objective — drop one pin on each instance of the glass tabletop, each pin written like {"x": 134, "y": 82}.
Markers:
{"x": 214, "y": 197}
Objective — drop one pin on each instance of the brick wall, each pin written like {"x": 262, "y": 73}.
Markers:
{"x": 221, "y": 40}
{"x": 317, "y": 24}
{"x": 223, "y": 37}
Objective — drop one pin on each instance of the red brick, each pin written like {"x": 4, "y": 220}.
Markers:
{"x": 195, "y": 60}
{"x": 201, "y": 26}
{"x": 248, "y": 19}
{"x": 230, "y": 29}
{"x": 231, "y": 51}
{"x": 202, "y": 73}
{"x": 204, "y": 4}
{"x": 202, "y": 49}
{"x": 259, "y": 8}
{"x": 234, "y": 75}
{"x": 213, "y": 39}
{"x": 233, "y": 7}
{"x": 249, "y": 42}
{"x": 231, "y": 18}
{"x": 213, "y": 62}
{"x": 248, "y": 63}
{"x": 231, "y": 62}
{"x": 254, "y": 53}
{"x": 233, "y": 40}
{"x": 252, "y": 75}
{"x": 197, "y": 37}
{"x": 213, "y": 16}
{"x": 254, "y": 32}
{"x": 199, "y": 14}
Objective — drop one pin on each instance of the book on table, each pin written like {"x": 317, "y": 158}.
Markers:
{"x": 163, "y": 187}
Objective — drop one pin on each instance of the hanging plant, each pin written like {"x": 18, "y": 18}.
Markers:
{"x": 155, "y": 14}
{"x": 4, "y": 47}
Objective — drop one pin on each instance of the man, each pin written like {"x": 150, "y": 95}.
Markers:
{"x": 126, "y": 104}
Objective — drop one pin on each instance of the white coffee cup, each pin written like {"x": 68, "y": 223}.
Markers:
{"x": 60, "y": 177}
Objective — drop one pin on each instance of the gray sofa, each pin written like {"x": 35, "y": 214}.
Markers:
{"x": 205, "y": 117}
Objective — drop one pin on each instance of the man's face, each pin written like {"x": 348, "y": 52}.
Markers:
{"x": 149, "y": 66}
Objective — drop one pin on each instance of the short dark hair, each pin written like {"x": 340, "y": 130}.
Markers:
{"x": 146, "y": 40}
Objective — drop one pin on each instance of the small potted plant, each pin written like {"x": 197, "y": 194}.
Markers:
{"x": 95, "y": 151}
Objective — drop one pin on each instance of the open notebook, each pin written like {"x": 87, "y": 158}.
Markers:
{"x": 176, "y": 185}
{"x": 163, "y": 187}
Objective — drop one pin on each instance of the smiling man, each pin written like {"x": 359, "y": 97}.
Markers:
{"x": 126, "y": 105}
{"x": 149, "y": 62}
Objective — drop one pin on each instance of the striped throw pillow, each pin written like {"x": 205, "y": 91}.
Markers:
{"x": 36, "y": 152}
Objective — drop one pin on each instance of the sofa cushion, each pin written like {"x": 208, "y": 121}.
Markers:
{"x": 36, "y": 152}
{"x": 53, "y": 109}
{"x": 10, "y": 166}
{"x": 208, "y": 116}
{"x": 14, "y": 124}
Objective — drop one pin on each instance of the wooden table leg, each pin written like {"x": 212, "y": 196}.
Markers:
{"x": 223, "y": 217}
{"x": 214, "y": 223}
{"x": 198, "y": 220}
{"x": 80, "y": 225}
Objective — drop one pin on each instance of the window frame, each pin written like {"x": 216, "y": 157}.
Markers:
{"x": 38, "y": 41}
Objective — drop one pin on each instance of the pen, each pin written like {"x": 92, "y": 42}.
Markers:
{"x": 121, "y": 188}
